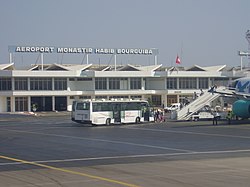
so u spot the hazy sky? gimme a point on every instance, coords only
(202, 32)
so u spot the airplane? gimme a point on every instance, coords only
(240, 89)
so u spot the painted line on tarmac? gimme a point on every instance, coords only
(69, 171)
(101, 140)
(188, 132)
(131, 156)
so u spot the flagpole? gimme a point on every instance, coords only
(181, 56)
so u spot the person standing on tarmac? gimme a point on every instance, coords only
(216, 118)
(229, 116)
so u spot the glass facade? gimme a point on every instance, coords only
(187, 83)
(114, 83)
(101, 97)
(40, 83)
(135, 83)
(21, 104)
(5, 83)
(101, 83)
(85, 97)
(21, 83)
(171, 83)
(221, 81)
(60, 83)
(159, 91)
(203, 83)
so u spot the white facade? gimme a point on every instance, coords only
(54, 87)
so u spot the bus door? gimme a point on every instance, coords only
(117, 112)
(145, 112)
(73, 110)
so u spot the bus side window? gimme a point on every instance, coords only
(82, 106)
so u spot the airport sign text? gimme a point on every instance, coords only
(79, 50)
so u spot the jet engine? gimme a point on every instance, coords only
(241, 108)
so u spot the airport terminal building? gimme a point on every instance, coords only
(53, 87)
(56, 86)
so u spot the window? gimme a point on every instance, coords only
(82, 106)
(5, 83)
(114, 83)
(102, 107)
(101, 83)
(203, 83)
(156, 100)
(101, 97)
(221, 81)
(123, 83)
(118, 97)
(60, 83)
(135, 83)
(84, 79)
(40, 83)
(21, 83)
(85, 97)
(187, 83)
(135, 96)
(171, 83)
(21, 104)
(8, 104)
(133, 106)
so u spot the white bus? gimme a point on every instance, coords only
(101, 112)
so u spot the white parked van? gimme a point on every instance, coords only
(202, 116)
(173, 106)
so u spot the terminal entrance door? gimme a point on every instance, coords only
(42, 103)
(61, 103)
(156, 100)
(171, 99)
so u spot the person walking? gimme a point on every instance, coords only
(201, 92)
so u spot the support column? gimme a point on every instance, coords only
(53, 83)
(178, 98)
(115, 62)
(12, 83)
(128, 83)
(29, 104)
(156, 60)
(12, 103)
(107, 83)
(241, 62)
(42, 60)
(28, 83)
(143, 84)
(53, 103)
(10, 58)
(178, 83)
(164, 99)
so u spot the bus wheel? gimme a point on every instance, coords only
(108, 121)
(137, 120)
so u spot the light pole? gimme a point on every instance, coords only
(241, 54)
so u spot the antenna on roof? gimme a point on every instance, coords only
(83, 58)
(62, 58)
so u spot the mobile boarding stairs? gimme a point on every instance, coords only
(187, 111)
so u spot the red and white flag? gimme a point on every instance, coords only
(178, 61)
